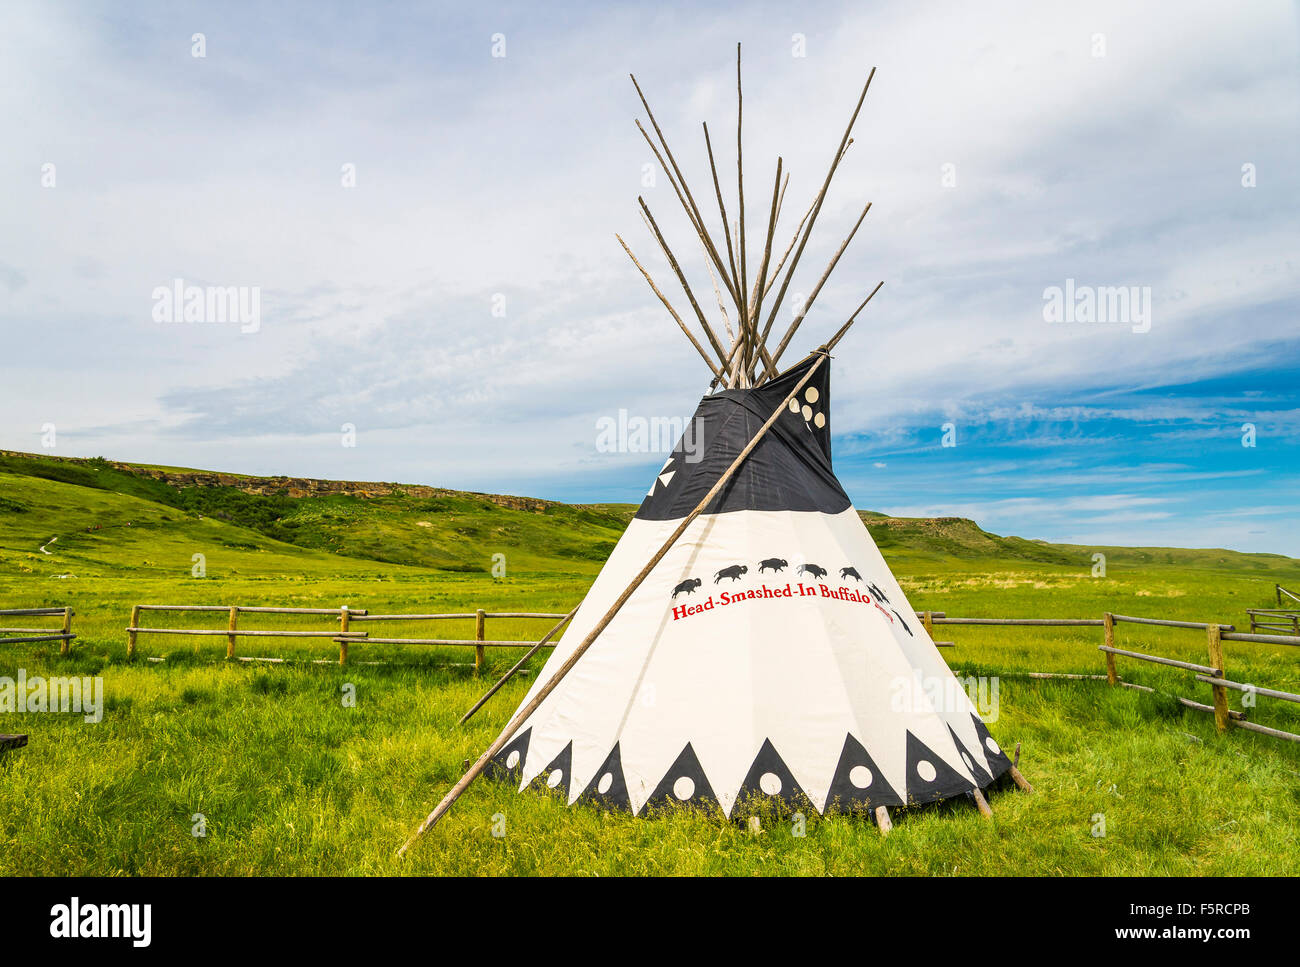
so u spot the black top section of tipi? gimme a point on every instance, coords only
(790, 469)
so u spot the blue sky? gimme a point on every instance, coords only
(1006, 150)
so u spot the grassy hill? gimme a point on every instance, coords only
(291, 780)
(420, 526)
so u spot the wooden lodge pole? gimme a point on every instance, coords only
(1112, 674)
(522, 715)
(516, 666)
(130, 635)
(1214, 634)
(718, 374)
(480, 622)
(981, 803)
(816, 209)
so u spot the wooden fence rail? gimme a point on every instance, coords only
(480, 641)
(63, 636)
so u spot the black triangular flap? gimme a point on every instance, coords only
(683, 783)
(769, 780)
(858, 783)
(608, 788)
(509, 762)
(972, 759)
(929, 778)
(556, 774)
(997, 759)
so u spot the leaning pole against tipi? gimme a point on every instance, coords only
(746, 644)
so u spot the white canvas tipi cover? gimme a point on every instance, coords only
(770, 655)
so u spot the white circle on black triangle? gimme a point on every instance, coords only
(512, 759)
(925, 769)
(812, 394)
(770, 783)
(819, 420)
(860, 776)
(606, 781)
(794, 406)
(992, 746)
(967, 759)
(555, 778)
(684, 788)
(807, 412)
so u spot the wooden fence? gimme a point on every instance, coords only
(343, 636)
(232, 632)
(1280, 619)
(1213, 674)
(63, 635)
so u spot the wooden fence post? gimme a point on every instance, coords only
(130, 635)
(230, 638)
(480, 620)
(927, 619)
(343, 642)
(1220, 693)
(67, 630)
(1112, 673)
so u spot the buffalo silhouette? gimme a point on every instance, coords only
(734, 572)
(772, 563)
(850, 572)
(813, 569)
(689, 586)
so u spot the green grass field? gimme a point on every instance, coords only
(290, 780)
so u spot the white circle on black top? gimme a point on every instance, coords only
(684, 788)
(860, 776)
(770, 783)
(819, 420)
(993, 746)
(925, 769)
(807, 412)
(606, 781)
(555, 778)
(794, 405)
(811, 395)
(512, 759)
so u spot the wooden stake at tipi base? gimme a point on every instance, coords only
(1021, 782)
(883, 820)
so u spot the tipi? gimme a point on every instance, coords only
(746, 642)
